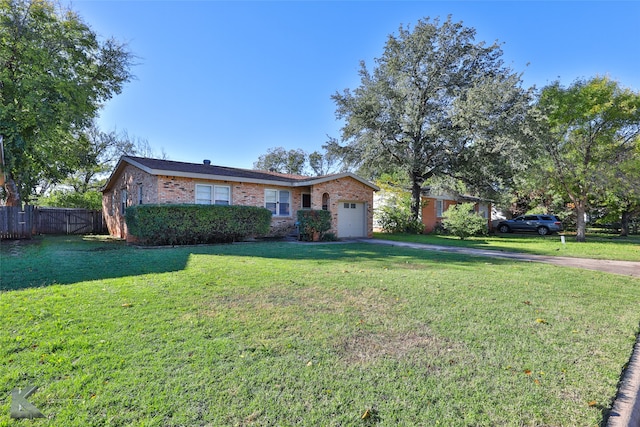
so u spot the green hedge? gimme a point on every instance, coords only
(311, 222)
(193, 224)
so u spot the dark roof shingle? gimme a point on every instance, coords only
(204, 169)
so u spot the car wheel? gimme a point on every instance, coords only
(543, 231)
(503, 229)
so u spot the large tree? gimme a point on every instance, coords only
(97, 155)
(622, 192)
(55, 74)
(280, 160)
(295, 162)
(590, 128)
(436, 103)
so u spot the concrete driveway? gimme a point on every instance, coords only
(626, 268)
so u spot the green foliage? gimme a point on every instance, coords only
(296, 162)
(329, 237)
(397, 219)
(462, 221)
(588, 128)
(280, 160)
(72, 199)
(437, 103)
(193, 224)
(394, 216)
(313, 222)
(56, 73)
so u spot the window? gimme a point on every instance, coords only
(439, 208)
(325, 202)
(278, 202)
(222, 195)
(213, 194)
(123, 201)
(483, 210)
(306, 201)
(203, 194)
(140, 194)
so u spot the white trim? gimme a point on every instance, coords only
(212, 194)
(230, 178)
(278, 201)
(439, 208)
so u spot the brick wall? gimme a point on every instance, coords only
(344, 190)
(131, 179)
(430, 220)
(171, 189)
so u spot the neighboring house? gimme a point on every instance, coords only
(139, 180)
(434, 206)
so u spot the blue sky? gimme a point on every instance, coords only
(226, 81)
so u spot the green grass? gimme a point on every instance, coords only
(597, 246)
(280, 334)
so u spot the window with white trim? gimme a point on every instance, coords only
(222, 195)
(213, 194)
(278, 202)
(203, 194)
(439, 208)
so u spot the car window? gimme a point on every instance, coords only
(546, 218)
(520, 218)
(530, 218)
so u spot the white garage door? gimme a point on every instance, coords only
(351, 220)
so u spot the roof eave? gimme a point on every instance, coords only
(327, 178)
(275, 182)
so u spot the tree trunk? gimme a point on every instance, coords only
(13, 195)
(624, 223)
(581, 224)
(416, 192)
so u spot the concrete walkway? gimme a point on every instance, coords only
(626, 407)
(627, 268)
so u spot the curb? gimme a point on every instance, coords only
(626, 406)
(625, 410)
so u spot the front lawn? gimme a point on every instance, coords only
(598, 246)
(277, 334)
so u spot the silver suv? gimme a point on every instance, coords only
(542, 224)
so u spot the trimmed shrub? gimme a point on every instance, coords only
(194, 224)
(460, 220)
(397, 219)
(313, 223)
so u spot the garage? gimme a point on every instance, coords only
(351, 219)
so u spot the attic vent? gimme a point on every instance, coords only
(206, 162)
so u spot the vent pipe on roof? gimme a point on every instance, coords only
(206, 162)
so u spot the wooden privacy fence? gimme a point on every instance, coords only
(15, 222)
(22, 223)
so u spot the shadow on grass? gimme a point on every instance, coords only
(70, 259)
